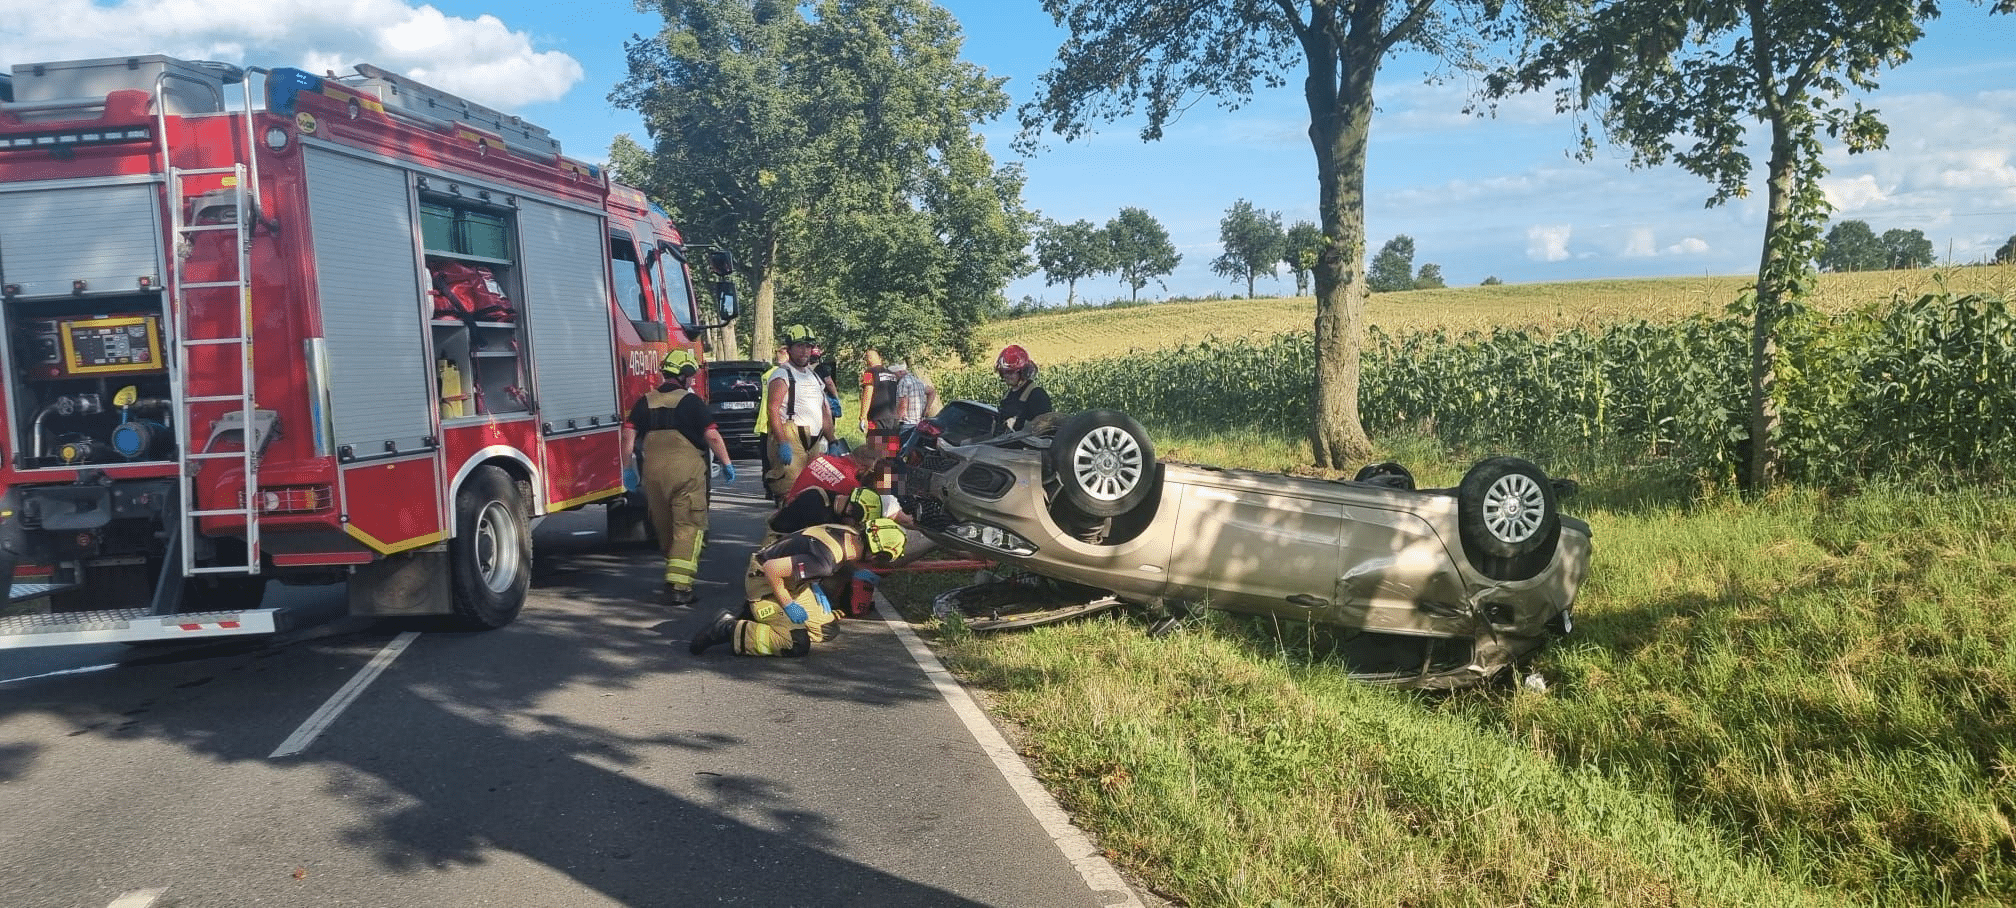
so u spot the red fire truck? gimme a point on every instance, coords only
(269, 325)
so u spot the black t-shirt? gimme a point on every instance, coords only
(689, 417)
(884, 405)
(1022, 405)
(809, 508)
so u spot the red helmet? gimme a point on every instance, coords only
(1014, 360)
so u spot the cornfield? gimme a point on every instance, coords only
(1890, 390)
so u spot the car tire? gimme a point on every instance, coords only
(1103, 462)
(1509, 517)
(491, 554)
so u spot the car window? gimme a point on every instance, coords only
(732, 381)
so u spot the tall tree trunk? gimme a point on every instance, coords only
(1249, 285)
(763, 342)
(1340, 124)
(1773, 269)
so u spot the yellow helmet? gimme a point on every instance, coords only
(680, 362)
(868, 502)
(884, 539)
(798, 334)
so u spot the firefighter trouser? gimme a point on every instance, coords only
(675, 485)
(767, 631)
(804, 445)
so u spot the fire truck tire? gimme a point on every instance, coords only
(491, 554)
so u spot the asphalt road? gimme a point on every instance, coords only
(578, 757)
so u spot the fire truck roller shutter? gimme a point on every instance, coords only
(566, 311)
(108, 236)
(370, 282)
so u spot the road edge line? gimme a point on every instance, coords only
(340, 700)
(1098, 873)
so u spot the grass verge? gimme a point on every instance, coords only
(1799, 700)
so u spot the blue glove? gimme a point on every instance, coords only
(819, 593)
(868, 577)
(728, 473)
(631, 481)
(795, 612)
(833, 403)
(784, 452)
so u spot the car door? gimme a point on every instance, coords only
(1247, 547)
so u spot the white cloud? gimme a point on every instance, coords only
(1548, 242)
(1854, 193)
(1689, 246)
(481, 59)
(1639, 242)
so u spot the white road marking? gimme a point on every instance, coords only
(68, 671)
(587, 532)
(1097, 872)
(138, 898)
(305, 735)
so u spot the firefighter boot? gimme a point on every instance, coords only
(719, 630)
(680, 596)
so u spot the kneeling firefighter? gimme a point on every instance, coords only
(787, 610)
(673, 433)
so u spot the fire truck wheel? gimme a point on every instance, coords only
(492, 550)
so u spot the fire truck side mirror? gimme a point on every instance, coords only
(724, 295)
(721, 262)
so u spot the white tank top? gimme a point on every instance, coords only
(807, 397)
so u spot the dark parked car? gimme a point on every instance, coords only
(1437, 587)
(734, 391)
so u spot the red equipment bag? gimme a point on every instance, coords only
(462, 291)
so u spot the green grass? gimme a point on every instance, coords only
(1800, 700)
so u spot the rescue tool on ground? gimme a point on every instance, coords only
(273, 325)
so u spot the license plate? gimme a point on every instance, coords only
(738, 405)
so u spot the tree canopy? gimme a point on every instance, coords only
(1906, 249)
(1299, 249)
(1141, 249)
(832, 145)
(1069, 253)
(1393, 268)
(1253, 241)
(1852, 246)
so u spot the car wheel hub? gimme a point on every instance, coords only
(1108, 463)
(1514, 508)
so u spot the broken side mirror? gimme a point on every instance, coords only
(721, 262)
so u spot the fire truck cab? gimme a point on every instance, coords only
(271, 325)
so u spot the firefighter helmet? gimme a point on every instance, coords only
(883, 538)
(798, 334)
(867, 502)
(680, 363)
(1014, 361)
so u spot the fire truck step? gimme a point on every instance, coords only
(206, 228)
(209, 285)
(130, 626)
(216, 455)
(219, 512)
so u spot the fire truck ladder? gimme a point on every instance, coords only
(234, 334)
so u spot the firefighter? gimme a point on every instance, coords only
(787, 610)
(799, 421)
(673, 433)
(1026, 400)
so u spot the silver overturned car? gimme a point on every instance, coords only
(1438, 587)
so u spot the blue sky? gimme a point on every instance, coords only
(1497, 197)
